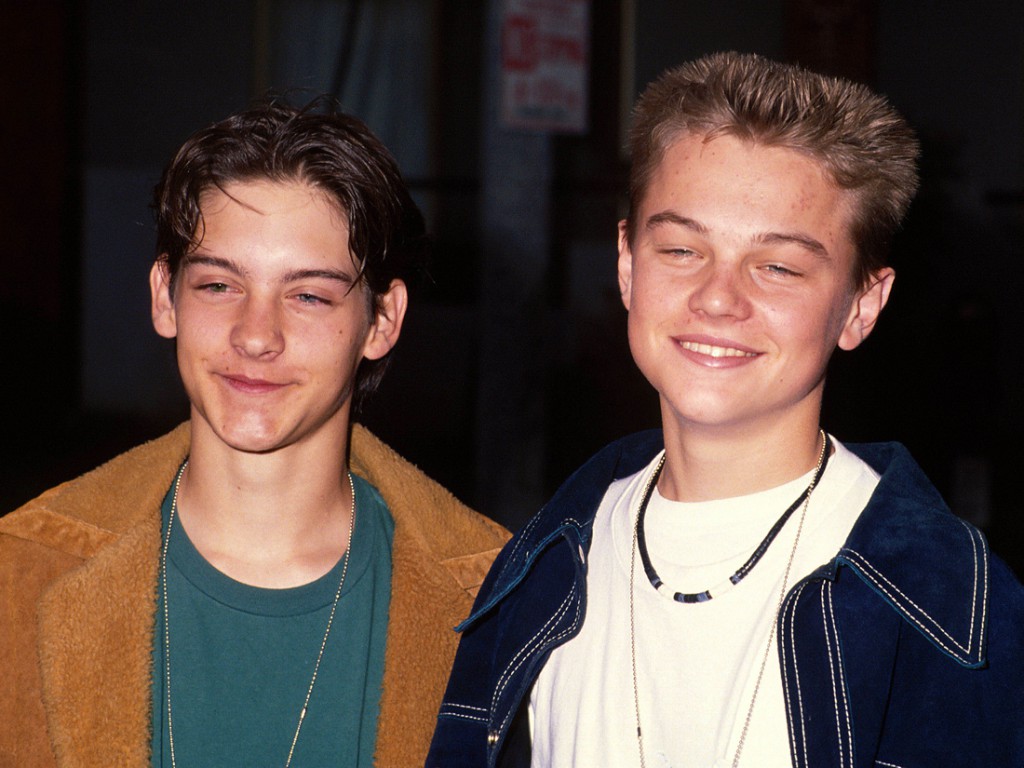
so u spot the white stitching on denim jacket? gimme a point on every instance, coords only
(788, 621)
(527, 530)
(785, 691)
(524, 535)
(448, 707)
(924, 628)
(842, 670)
(974, 588)
(785, 682)
(466, 707)
(555, 638)
(496, 595)
(538, 638)
(832, 674)
(984, 598)
(461, 716)
(516, 660)
(865, 565)
(887, 765)
(832, 648)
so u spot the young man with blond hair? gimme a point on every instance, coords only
(739, 588)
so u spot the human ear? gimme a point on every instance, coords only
(625, 265)
(866, 308)
(162, 303)
(386, 325)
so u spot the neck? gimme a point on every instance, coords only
(708, 464)
(276, 519)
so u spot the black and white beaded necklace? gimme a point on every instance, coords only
(743, 570)
(802, 503)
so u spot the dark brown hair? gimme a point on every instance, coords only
(315, 145)
(859, 139)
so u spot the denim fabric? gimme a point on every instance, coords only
(903, 651)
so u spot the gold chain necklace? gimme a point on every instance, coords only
(167, 624)
(648, 489)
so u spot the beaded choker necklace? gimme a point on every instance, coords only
(743, 570)
(802, 503)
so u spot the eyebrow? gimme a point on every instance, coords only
(289, 277)
(766, 238)
(671, 217)
(797, 238)
(212, 261)
(318, 274)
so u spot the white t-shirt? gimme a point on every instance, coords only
(696, 663)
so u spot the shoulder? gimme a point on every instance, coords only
(933, 568)
(569, 514)
(430, 522)
(576, 501)
(81, 515)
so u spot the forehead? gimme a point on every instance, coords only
(290, 221)
(741, 185)
(267, 196)
(691, 159)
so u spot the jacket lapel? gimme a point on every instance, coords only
(96, 622)
(926, 563)
(909, 565)
(440, 554)
(96, 626)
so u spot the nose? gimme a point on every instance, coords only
(720, 292)
(257, 331)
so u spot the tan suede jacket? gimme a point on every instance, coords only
(78, 591)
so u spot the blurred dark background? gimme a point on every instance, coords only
(513, 366)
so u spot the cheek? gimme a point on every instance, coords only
(656, 298)
(825, 333)
(842, 309)
(204, 343)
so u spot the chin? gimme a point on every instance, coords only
(705, 413)
(253, 438)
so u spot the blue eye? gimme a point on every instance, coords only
(778, 269)
(309, 298)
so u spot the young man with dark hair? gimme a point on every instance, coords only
(739, 588)
(232, 594)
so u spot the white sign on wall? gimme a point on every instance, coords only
(545, 49)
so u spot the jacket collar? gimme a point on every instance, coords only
(925, 562)
(96, 621)
(570, 512)
(928, 564)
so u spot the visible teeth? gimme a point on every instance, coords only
(712, 351)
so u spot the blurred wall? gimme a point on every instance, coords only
(103, 92)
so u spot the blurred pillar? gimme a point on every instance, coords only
(515, 205)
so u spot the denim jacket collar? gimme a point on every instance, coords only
(905, 525)
(570, 512)
(926, 563)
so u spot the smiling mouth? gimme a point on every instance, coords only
(245, 384)
(713, 351)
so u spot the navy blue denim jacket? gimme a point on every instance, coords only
(906, 650)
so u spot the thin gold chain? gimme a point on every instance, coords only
(167, 624)
(771, 633)
(632, 621)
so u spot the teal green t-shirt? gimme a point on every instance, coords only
(242, 657)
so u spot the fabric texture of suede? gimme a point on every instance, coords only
(78, 580)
